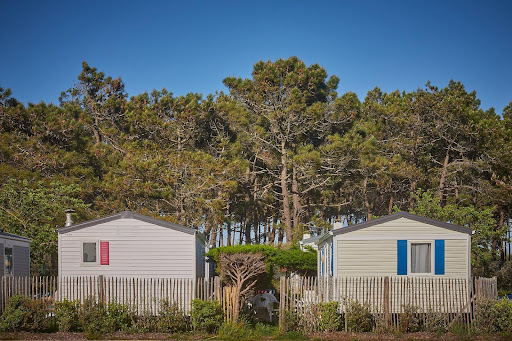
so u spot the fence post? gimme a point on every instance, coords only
(281, 302)
(386, 301)
(101, 289)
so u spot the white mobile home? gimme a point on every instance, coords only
(398, 245)
(128, 244)
(14, 255)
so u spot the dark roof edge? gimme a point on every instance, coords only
(12, 236)
(127, 215)
(399, 215)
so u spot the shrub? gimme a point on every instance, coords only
(67, 313)
(434, 322)
(309, 318)
(171, 319)
(503, 316)
(119, 317)
(144, 323)
(411, 320)
(231, 330)
(291, 321)
(206, 315)
(331, 320)
(93, 318)
(359, 317)
(484, 315)
(24, 314)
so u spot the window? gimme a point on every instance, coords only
(421, 258)
(89, 253)
(8, 268)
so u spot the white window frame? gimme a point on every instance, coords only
(432, 257)
(82, 263)
(9, 246)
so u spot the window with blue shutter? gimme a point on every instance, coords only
(401, 260)
(439, 257)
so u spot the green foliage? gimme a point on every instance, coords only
(359, 317)
(33, 210)
(480, 220)
(171, 319)
(292, 322)
(206, 316)
(119, 317)
(67, 313)
(503, 316)
(25, 314)
(93, 318)
(232, 330)
(291, 259)
(411, 320)
(331, 320)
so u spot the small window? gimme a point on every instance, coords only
(8, 261)
(421, 258)
(89, 252)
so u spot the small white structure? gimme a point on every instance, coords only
(401, 244)
(128, 244)
(307, 240)
(14, 255)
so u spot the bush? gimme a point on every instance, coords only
(171, 319)
(410, 319)
(291, 321)
(359, 317)
(144, 323)
(434, 322)
(503, 316)
(67, 313)
(330, 320)
(206, 315)
(119, 317)
(484, 315)
(94, 319)
(231, 330)
(24, 314)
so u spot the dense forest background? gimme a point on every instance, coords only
(280, 154)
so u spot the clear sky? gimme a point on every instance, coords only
(191, 46)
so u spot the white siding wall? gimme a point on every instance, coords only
(372, 251)
(137, 249)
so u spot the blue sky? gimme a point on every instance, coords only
(191, 46)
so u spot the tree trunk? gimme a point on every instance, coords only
(442, 180)
(213, 237)
(411, 195)
(390, 206)
(285, 194)
(366, 203)
(297, 207)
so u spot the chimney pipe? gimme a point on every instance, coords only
(69, 220)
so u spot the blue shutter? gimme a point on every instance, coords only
(401, 259)
(332, 258)
(322, 262)
(439, 257)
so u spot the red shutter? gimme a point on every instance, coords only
(104, 250)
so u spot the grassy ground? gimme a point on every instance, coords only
(271, 335)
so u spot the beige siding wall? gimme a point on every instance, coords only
(401, 226)
(137, 249)
(379, 257)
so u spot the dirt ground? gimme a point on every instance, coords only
(317, 336)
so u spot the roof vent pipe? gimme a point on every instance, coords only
(69, 220)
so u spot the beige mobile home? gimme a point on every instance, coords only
(398, 245)
(129, 245)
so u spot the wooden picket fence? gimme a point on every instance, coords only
(143, 294)
(388, 297)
